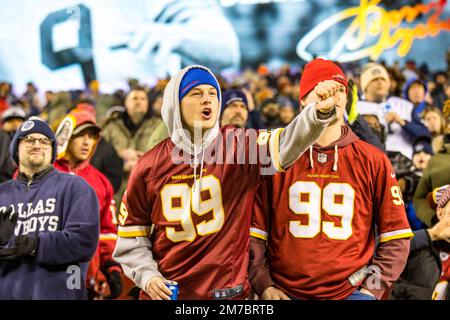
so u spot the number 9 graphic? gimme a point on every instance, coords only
(188, 203)
(319, 200)
(81, 54)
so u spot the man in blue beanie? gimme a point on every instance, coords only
(234, 109)
(238, 109)
(49, 222)
(184, 216)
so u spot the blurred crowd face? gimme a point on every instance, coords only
(284, 85)
(236, 114)
(35, 152)
(4, 89)
(393, 85)
(31, 88)
(447, 89)
(420, 160)
(376, 126)
(136, 104)
(82, 145)
(440, 79)
(295, 93)
(12, 124)
(287, 114)
(271, 111)
(416, 93)
(263, 83)
(431, 85)
(377, 90)
(200, 105)
(49, 96)
(157, 106)
(433, 122)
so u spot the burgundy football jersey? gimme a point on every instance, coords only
(320, 223)
(199, 230)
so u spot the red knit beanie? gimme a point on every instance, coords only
(320, 70)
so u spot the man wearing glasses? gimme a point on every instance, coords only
(49, 222)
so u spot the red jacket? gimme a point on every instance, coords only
(108, 230)
(102, 260)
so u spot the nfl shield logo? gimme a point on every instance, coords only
(322, 158)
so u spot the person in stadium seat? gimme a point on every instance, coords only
(313, 226)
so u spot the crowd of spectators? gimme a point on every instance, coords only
(406, 108)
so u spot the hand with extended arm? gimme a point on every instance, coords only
(157, 289)
(326, 90)
(309, 125)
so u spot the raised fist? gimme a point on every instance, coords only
(327, 91)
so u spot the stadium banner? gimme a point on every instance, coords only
(66, 44)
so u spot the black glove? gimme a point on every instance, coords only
(134, 293)
(113, 278)
(23, 246)
(115, 284)
(8, 222)
(7, 253)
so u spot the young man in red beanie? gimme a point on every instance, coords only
(313, 229)
(77, 138)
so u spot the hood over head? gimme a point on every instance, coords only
(181, 83)
(72, 124)
(408, 85)
(171, 113)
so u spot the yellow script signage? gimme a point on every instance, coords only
(388, 28)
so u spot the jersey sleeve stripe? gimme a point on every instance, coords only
(108, 236)
(274, 147)
(397, 234)
(257, 233)
(133, 231)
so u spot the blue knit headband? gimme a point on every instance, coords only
(195, 77)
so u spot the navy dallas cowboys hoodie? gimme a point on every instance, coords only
(62, 211)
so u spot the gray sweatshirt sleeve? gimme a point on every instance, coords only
(301, 133)
(136, 258)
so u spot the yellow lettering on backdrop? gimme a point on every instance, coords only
(370, 19)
